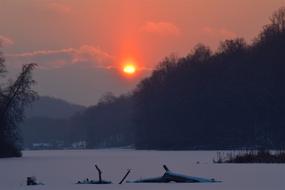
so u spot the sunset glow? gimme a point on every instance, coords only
(116, 44)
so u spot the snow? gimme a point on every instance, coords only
(61, 169)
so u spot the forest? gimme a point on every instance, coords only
(228, 99)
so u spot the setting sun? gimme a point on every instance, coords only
(129, 69)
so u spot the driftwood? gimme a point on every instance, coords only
(99, 173)
(100, 181)
(125, 176)
(170, 176)
(87, 181)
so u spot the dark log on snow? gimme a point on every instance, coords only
(87, 181)
(170, 176)
(33, 181)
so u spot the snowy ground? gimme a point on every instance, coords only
(60, 170)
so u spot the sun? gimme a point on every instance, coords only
(129, 68)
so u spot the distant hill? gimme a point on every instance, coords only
(50, 107)
(47, 122)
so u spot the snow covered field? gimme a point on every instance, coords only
(60, 170)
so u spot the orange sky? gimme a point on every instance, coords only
(82, 43)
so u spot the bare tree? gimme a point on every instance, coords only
(13, 99)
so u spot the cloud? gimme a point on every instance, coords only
(161, 28)
(219, 32)
(5, 41)
(59, 8)
(85, 55)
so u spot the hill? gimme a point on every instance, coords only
(50, 107)
(47, 123)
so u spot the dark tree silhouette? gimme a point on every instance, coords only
(107, 124)
(13, 98)
(232, 98)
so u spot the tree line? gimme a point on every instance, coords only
(231, 98)
(107, 124)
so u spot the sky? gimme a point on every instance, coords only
(81, 45)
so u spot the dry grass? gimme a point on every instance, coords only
(260, 156)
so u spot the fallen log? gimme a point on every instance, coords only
(170, 176)
(87, 181)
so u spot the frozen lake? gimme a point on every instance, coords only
(61, 169)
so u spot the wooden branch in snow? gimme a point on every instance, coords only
(125, 176)
(166, 168)
(99, 173)
(100, 181)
